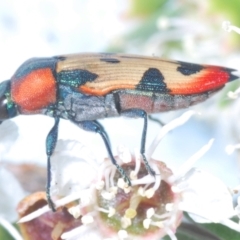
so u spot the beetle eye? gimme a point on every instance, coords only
(4, 88)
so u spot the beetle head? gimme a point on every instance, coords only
(7, 106)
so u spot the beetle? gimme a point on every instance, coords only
(86, 87)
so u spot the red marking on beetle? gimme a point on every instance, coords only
(34, 91)
(136, 101)
(211, 78)
(104, 90)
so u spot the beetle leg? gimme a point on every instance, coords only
(94, 126)
(50, 146)
(139, 113)
(154, 119)
(107, 136)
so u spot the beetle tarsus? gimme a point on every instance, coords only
(147, 166)
(124, 176)
(50, 201)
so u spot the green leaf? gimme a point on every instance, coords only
(229, 8)
(4, 235)
(145, 8)
(193, 231)
(222, 231)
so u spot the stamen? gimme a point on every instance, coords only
(170, 233)
(226, 25)
(182, 184)
(112, 174)
(148, 179)
(122, 234)
(157, 224)
(163, 216)
(84, 194)
(180, 187)
(150, 212)
(75, 211)
(169, 207)
(165, 129)
(231, 148)
(107, 175)
(86, 200)
(138, 157)
(100, 185)
(141, 192)
(190, 162)
(133, 175)
(111, 211)
(146, 223)
(34, 214)
(87, 219)
(233, 95)
(124, 154)
(123, 185)
(107, 195)
(157, 177)
(149, 193)
(113, 190)
(126, 222)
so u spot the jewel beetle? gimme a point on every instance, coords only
(86, 87)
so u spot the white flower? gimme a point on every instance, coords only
(227, 26)
(103, 205)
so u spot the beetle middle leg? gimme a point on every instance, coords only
(94, 126)
(106, 134)
(139, 113)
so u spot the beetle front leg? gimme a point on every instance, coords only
(94, 126)
(139, 113)
(50, 146)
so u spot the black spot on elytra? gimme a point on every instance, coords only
(189, 68)
(153, 80)
(75, 78)
(60, 58)
(110, 60)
